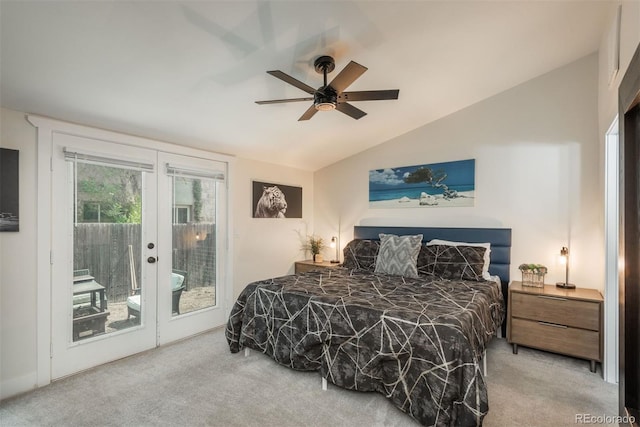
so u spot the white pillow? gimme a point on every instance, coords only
(487, 253)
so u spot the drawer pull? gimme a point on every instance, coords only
(553, 325)
(549, 297)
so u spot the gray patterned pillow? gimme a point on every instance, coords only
(361, 254)
(398, 255)
(455, 262)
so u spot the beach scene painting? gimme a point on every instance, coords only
(435, 185)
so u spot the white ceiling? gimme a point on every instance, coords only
(189, 72)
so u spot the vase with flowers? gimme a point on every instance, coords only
(315, 245)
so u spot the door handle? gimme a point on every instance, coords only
(151, 260)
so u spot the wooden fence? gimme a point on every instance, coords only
(103, 249)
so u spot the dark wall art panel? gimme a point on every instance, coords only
(276, 200)
(9, 213)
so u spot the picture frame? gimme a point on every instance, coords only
(9, 190)
(446, 184)
(270, 200)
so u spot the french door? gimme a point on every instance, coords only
(139, 249)
(192, 235)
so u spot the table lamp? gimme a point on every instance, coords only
(334, 244)
(564, 258)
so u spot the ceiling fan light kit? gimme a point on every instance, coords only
(325, 101)
(332, 96)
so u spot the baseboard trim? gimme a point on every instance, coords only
(15, 386)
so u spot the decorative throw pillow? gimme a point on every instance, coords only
(456, 262)
(361, 254)
(424, 264)
(398, 255)
(487, 254)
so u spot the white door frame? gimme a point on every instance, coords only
(611, 215)
(45, 128)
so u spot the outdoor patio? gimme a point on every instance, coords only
(191, 300)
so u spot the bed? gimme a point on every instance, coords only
(418, 338)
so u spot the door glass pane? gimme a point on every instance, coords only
(107, 218)
(193, 276)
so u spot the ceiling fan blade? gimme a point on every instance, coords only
(348, 75)
(292, 81)
(309, 113)
(369, 95)
(350, 110)
(279, 101)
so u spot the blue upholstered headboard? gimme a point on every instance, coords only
(499, 238)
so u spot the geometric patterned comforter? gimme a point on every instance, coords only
(416, 341)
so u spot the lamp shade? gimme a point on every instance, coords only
(334, 244)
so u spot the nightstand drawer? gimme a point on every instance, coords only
(560, 339)
(558, 310)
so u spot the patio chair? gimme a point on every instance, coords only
(178, 284)
(83, 300)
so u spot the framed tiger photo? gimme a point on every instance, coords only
(276, 200)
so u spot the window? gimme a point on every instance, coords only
(181, 214)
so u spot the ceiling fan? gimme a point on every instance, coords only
(332, 96)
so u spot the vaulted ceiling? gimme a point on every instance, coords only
(189, 72)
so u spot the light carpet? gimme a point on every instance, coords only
(198, 382)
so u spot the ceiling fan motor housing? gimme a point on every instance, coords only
(324, 64)
(325, 99)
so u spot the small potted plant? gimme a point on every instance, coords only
(533, 274)
(315, 245)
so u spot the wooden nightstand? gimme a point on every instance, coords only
(566, 321)
(307, 265)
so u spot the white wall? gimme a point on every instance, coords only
(267, 247)
(262, 248)
(536, 150)
(18, 266)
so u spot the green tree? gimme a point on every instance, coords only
(433, 178)
(116, 191)
(197, 199)
(134, 214)
(427, 175)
